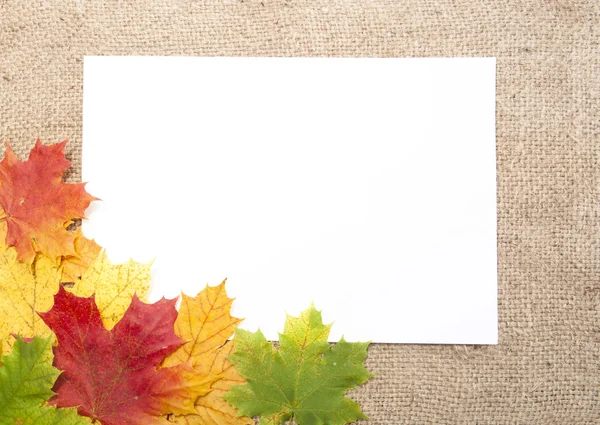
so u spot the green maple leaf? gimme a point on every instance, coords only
(304, 380)
(26, 379)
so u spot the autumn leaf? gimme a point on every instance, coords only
(38, 205)
(26, 289)
(74, 266)
(112, 375)
(304, 380)
(205, 322)
(26, 379)
(113, 286)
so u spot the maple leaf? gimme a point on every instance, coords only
(112, 375)
(37, 204)
(74, 266)
(26, 379)
(29, 288)
(305, 380)
(205, 322)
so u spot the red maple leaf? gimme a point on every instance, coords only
(113, 376)
(38, 205)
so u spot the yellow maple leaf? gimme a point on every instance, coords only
(205, 322)
(113, 286)
(24, 290)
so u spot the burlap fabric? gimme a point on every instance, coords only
(546, 368)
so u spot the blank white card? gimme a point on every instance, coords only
(366, 186)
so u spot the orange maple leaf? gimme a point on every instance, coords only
(74, 266)
(38, 205)
(206, 323)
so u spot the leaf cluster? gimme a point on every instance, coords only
(81, 345)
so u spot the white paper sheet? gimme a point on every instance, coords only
(366, 186)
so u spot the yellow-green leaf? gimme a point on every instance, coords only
(305, 380)
(26, 379)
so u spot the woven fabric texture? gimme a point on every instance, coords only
(546, 368)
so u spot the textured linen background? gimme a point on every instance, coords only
(546, 368)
